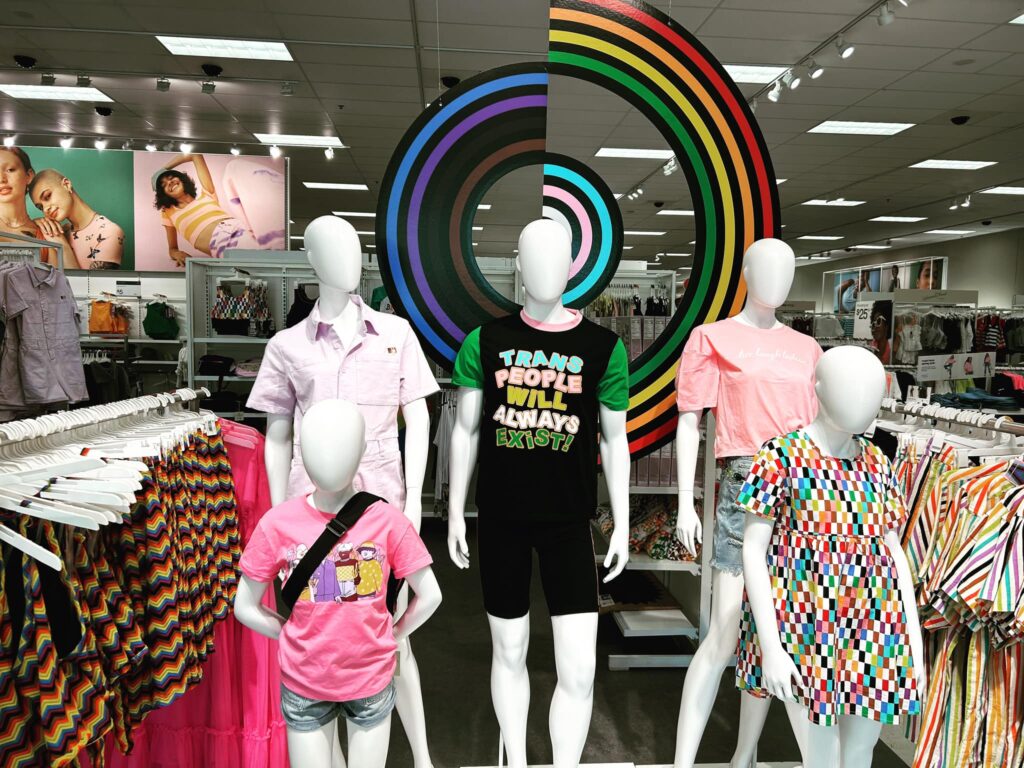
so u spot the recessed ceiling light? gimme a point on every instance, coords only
(1003, 191)
(674, 212)
(950, 232)
(869, 247)
(484, 207)
(860, 127)
(643, 233)
(332, 185)
(904, 219)
(478, 229)
(954, 165)
(670, 253)
(749, 73)
(53, 92)
(821, 237)
(299, 140)
(354, 214)
(839, 202)
(635, 154)
(225, 49)
(1018, 20)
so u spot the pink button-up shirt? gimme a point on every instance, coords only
(382, 370)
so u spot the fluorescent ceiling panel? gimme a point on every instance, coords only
(635, 154)
(643, 233)
(837, 203)
(365, 232)
(484, 207)
(332, 185)
(781, 181)
(903, 219)
(53, 92)
(860, 127)
(950, 232)
(225, 49)
(750, 73)
(870, 247)
(821, 237)
(1018, 20)
(674, 212)
(299, 140)
(954, 165)
(1003, 191)
(354, 214)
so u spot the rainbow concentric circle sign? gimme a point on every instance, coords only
(495, 122)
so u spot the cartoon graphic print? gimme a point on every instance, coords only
(371, 575)
(347, 574)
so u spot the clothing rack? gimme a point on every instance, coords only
(987, 421)
(9, 252)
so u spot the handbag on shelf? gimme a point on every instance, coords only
(242, 308)
(215, 365)
(161, 320)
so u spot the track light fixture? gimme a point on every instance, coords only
(275, 151)
(905, 3)
(100, 144)
(670, 167)
(776, 92)
(885, 16)
(966, 203)
(954, 205)
(329, 153)
(845, 49)
(791, 80)
(151, 147)
(815, 70)
(66, 142)
(47, 78)
(83, 81)
(753, 105)
(209, 86)
(128, 144)
(186, 147)
(235, 150)
(163, 84)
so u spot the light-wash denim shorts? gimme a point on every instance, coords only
(727, 550)
(304, 714)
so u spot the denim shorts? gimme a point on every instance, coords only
(302, 714)
(727, 550)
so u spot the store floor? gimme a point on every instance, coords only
(634, 711)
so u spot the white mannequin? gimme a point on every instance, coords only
(850, 384)
(768, 269)
(544, 261)
(333, 249)
(333, 441)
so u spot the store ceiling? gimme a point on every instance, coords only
(363, 71)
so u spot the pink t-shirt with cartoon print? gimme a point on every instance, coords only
(338, 644)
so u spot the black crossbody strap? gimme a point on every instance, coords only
(347, 516)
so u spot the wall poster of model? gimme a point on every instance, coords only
(843, 288)
(107, 210)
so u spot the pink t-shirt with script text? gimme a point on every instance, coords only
(338, 644)
(758, 382)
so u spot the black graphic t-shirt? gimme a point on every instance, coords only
(543, 386)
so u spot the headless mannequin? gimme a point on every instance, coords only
(768, 269)
(332, 446)
(334, 252)
(850, 384)
(544, 261)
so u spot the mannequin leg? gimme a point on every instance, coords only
(753, 713)
(368, 747)
(857, 739)
(314, 749)
(409, 695)
(510, 683)
(705, 674)
(822, 745)
(575, 660)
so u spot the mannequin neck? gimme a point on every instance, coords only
(831, 440)
(758, 315)
(330, 502)
(338, 309)
(547, 312)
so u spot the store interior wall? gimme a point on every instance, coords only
(992, 264)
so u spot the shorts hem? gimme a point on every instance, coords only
(730, 568)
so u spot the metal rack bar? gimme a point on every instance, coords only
(964, 417)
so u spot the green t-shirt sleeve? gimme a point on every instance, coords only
(613, 391)
(468, 370)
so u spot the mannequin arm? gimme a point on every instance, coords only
(249, 608)
(426, 597)
(277, 455)
(781, 677)
(465, 438)
(688, 526)
(906, 582)
(615, 462)
(417, 445)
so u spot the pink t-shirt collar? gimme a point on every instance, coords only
(316, 327)
(577, 318)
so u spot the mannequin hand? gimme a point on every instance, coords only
(688, 527)
(781, 677)
(618, 553)
(458, 550)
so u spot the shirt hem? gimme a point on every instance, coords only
(419, 565)
(300, 688)
(460, 381)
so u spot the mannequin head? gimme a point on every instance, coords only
(332, 247)
(545, 258)
(850, 385)
(768, 269)
(332, 437)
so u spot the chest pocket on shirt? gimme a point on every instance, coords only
(378, 380)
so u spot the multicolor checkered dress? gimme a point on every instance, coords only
(834, 583)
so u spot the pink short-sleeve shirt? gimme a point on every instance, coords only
(758, 382)
(382, 370)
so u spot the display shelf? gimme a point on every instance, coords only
(641, 561)
(662, 622)
(144, 340)
(651, 490)
(156, 362)
(229, 340)
(239, 415)
(224, 378)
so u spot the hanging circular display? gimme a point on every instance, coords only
(494, 123)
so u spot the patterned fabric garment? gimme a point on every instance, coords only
(833, 580)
